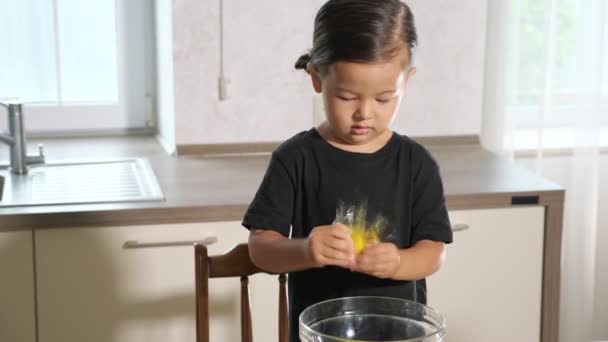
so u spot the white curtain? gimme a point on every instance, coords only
(546, 107)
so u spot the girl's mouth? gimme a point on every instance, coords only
(360, 130)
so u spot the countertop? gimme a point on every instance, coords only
(219, 188)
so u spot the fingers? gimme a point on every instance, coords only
(339, 231)
(327, 256)
(380, 260)
(340, 240)
(376, 252)
(340, 262)
(338, 253)
(335, 254)
(342, 245)
(331, 245)
(368, 265)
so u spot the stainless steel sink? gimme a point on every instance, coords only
(128, 180)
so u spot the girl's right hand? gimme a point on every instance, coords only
(331, 246)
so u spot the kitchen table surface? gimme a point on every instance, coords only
(200, 188)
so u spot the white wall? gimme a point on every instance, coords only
(270, 100)
(445, 97)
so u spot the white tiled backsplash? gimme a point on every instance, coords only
(269, 100)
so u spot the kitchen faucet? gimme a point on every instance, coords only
(16, 139)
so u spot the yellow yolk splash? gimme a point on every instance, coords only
(363, 237)
(362, 232)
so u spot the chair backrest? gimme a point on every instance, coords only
(234, 263)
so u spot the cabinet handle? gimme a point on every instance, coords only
(460, 227)
(131, 244)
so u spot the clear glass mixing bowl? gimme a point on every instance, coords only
(367, 319)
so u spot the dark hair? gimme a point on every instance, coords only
(360, 31)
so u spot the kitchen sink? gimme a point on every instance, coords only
(81, 182)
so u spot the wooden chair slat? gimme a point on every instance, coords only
(283, 313)
(202, 293)
(234, 263)
(246, 330)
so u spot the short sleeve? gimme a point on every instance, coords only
(272, 206)
(430, 219)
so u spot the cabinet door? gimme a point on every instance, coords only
(17, 318)
(93, 289)
(489, 287)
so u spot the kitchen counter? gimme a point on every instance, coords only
(220, 187)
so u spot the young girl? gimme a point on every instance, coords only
(361, 61)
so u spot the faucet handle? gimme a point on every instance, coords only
(39, 159)
(41, 150)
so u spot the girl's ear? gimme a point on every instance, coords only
(314, 76)
(408, 77)
(410, 73)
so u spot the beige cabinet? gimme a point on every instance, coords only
(91, 288)
(490, 286)
(17, 317)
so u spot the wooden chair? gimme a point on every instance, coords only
(234, 263)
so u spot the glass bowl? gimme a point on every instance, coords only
(367, 319)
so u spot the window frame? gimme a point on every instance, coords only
(134, 110)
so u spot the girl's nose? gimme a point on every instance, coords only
(364, 112)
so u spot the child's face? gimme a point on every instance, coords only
(361, 99)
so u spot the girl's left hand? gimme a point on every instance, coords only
(379, 260)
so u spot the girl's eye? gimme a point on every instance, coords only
(346, 98)
(383, 100)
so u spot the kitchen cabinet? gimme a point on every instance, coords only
(91, 288)
(490, 285)
(17, 303)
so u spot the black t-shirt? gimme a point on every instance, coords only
(306, 180)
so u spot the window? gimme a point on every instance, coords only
(79, 65)
(532, 37)
(555, 46)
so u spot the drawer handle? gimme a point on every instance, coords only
(131, 244)
(460, 227)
